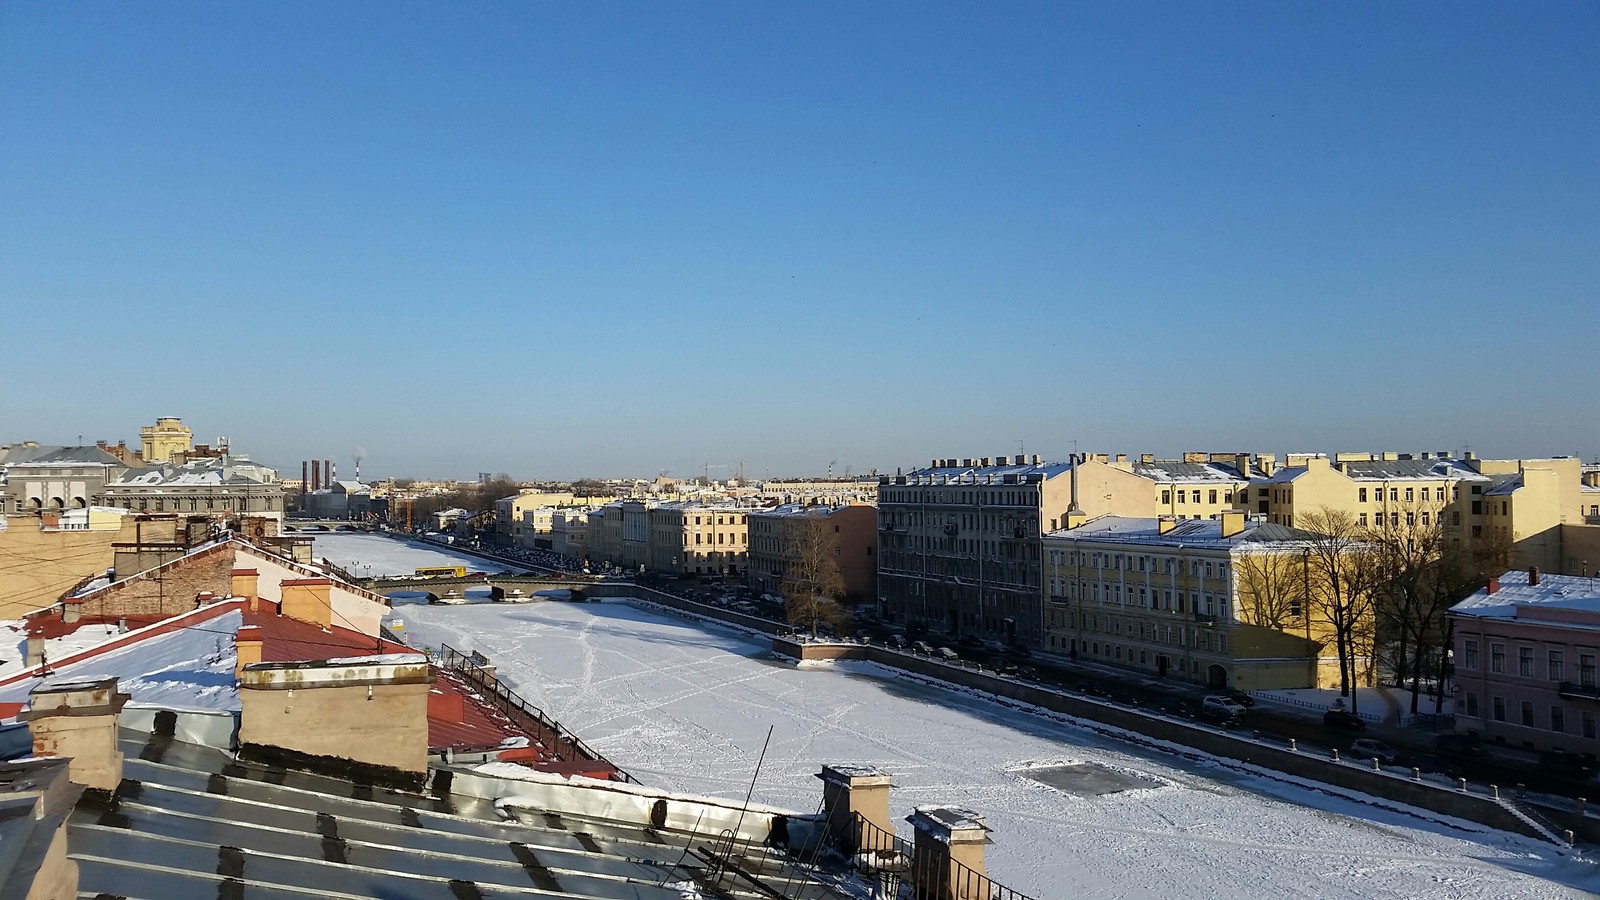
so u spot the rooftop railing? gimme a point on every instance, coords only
(563, 745)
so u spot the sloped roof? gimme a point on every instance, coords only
(1410, 469)
(87, 455)
(1515, 595)
(192, 822)
(1185, 532)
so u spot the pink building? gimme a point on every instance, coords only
(1525, 656)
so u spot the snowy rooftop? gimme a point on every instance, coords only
(1184, 532)
(1517, 598)
(1165, 471)
(1410, 469)
(199, 473)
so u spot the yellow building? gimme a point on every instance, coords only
(1211, 601)
(688, 538)
(1195, 486)
(1542, 511)
(160, 441)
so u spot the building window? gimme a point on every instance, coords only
(1361, 495)
(1558, 666)
(1362, 520)
(1527, 714)
(1558, 720)
(1499, 709)
(1588, 725)
(1472, 705)
(1497, 658)
(1525, 662)
(1166, 496)
(1586, 669)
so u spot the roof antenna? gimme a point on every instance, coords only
(733, 836)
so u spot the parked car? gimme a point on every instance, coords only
(971, 641)
(898, 641)
(1571, 765)
(1343, 719)
(1372, 748)
(1220, 703)
(922, 647)
(946, 654)
(1459, 744)
(1240, 697)
(1218, 706)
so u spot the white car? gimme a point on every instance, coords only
(1222, 707)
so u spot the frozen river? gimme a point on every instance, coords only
(686, 707)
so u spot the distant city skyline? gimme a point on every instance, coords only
(614, 239)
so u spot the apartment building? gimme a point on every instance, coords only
(689, 538)
(959, 544)
(1186, 599)
(1194, 486)
(1525, 655)
(781, 537)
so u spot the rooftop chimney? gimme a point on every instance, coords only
(1165, 524)
(77, 718)
(945, 837)
(1494, 584)
(1533, 576)
(849, 790)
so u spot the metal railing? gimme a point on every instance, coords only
(562, 745)
(899, 871)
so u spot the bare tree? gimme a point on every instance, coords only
(1341, 573)
(1271, 588)
(811, 580)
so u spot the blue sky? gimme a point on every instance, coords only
(559, 240)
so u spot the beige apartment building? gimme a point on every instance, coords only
(1194, 486)
(958, 544)
(1178, 598)
(689, 538)
(847, 533)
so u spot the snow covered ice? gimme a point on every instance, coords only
(686, 706)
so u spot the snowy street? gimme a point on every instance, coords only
(687, 706)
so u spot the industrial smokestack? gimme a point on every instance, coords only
(327, 473)
(305, 483)
(316, 474)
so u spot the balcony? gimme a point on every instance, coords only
(1204, 619)
(1580, 691)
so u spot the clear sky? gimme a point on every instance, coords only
(606, 239)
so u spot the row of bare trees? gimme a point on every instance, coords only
(1379, 593)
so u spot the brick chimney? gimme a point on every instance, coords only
(1494, 584)
(1165, 524)
(244, 584)
(307, 599)
(363, 717)
(848, 790)
(948, 851)
(77, 718)
(247, 649)
(1232, 522)
(1533, 576)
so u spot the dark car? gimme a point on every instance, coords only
(1571, 765)
(971, 642)
(1239, 697)
(1459, 744)
(1342, 719)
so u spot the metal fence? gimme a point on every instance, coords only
(563, 745)
(900, 872)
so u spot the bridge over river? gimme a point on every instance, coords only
(500, 586)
